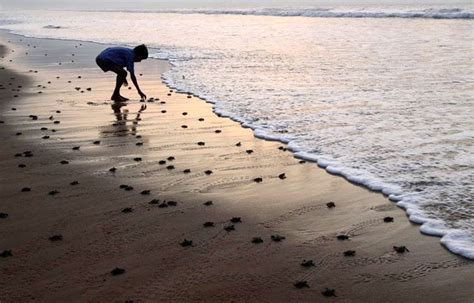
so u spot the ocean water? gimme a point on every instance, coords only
(383, 96)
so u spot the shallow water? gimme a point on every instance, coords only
(386, 102)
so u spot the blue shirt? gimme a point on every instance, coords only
(121, 56)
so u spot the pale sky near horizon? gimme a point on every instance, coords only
(170, 4)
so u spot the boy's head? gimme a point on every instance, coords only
(141, 52)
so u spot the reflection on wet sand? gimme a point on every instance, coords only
(120, 127)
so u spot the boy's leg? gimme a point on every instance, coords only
(121, 78)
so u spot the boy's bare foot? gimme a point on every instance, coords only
(118, 98)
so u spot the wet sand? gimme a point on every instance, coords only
(122, 187)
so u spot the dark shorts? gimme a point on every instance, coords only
(106, 65)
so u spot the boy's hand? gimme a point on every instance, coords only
(142, 95)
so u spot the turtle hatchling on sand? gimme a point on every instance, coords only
(208, 224)
(6, 253)
(331, 204)
(56, 238)
(229, 227)
(329, 292)
(400, 249)
(349, 253)
(186, 243)
(342, 237)
(236, 220)
(307, 263)
(117, 271)
(388, 219)
(277, 238)
(301, 284)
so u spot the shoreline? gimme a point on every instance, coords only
(427, 226)
(233, 188)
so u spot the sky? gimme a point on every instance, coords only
(177, 4)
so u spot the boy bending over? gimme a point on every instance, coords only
(115, 59)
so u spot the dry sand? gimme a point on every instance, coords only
(220, 266)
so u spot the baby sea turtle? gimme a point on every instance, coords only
(201, 119)
(97, 142)
(238, 144)
(3, 215)
(117, 271)
(342, 237)
(56, 238)
(301, 284)
(200, 143)
(128, 188)
(123, 186)
(208, 172)
(218, 131)
(163, 111)
(184, 126)
(329, 292)
(257, 240)
(187, 171)
(388, 219)
(229, 227)
(258, 180)
(53, 192)
(172, 203)
(18, 155)
(277, 238)
(139, 144)
(331, 204)
(189, 96)
(21, 165)
(249, 151)
(145, 192)
(400, 249)
(208, 224)
(127, 210)
(184, 113)
(302, 162)
(74, 183)
(76, 148)
(89, 89)
(112, 169)
(45, 137)
(154, 201)
(170, 167)
(282, 176)
(236, 220)
(57, 122)
(163, 205)
(162, 162)
(51, 117)
(171, 158)
(208, 203)
(186, 243)
(64, 162)
(349, 253)
(137, 159)
(19, 134)
(6, 253)
(307, 263)
(25, 189)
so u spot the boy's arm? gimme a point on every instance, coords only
(134, 80)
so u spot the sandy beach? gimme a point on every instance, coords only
(89, 186)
